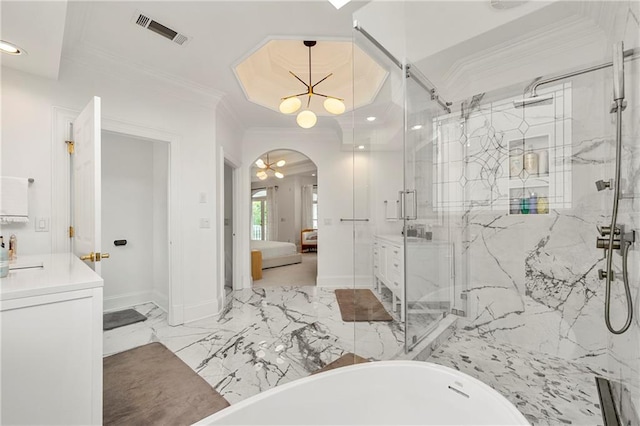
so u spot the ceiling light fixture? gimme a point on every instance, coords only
(307, 118)
(265, 166)
(372, 118)
(417, 127)
(360, 146)
(10, 48)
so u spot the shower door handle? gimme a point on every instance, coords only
(415, 205)
(401, 202)
(403, 199)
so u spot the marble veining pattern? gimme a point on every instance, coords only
(547, 390)
(264, 337)
(267, 337)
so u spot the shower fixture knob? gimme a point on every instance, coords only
(603, 243)
(603, 274)
(606, 230)
(602, 184)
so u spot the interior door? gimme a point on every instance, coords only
(86, 186)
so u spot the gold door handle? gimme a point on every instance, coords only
(95, 257)
(91, 257)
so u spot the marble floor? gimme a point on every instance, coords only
(263, 338)
(547, 390)
(269, 336)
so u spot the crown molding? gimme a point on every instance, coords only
(226, 108)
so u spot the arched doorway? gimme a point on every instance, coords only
(284, 219)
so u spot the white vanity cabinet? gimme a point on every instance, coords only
(388, 267)
(51, 342)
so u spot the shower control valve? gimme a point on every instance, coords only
(606, 230)
(603, 274)
(603, 243)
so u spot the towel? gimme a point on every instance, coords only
(14, 199)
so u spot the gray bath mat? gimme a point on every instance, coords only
(117, 319)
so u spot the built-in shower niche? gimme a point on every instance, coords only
(529, 179)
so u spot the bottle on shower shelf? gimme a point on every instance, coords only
(543, 163)
(533, 203)
(531, 163)
(543, 205)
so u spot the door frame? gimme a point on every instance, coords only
(225, 158)
(60, 191)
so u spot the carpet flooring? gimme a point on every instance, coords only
(299, 274)
(149, 385)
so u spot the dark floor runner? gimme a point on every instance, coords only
(344, 361)
(361, 305)
(117, 319)
(149, 385)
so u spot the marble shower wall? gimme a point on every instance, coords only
(624, 350)
(531, 279)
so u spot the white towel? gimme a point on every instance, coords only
(14, 199)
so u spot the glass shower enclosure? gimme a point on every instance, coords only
(403, 249)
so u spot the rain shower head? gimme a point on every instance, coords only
(533, 101)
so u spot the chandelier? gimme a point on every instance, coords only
(306, 118)
(266, 166)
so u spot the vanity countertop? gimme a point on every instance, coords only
(413, 241)
(38, 275)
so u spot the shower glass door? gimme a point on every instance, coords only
(428, 253)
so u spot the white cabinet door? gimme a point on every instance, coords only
(51, 359)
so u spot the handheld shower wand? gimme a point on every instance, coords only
(623, 242)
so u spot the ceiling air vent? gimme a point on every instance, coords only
(145, 21)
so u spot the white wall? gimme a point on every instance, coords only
(138, 99)
(134, 208)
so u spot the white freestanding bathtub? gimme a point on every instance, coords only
(376, 393)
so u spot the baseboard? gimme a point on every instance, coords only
(161, 300)
(345, 281)
(201, 310)
(113, 303)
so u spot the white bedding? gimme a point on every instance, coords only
(271, 249)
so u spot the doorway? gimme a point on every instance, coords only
(135, 218)
(284, 219)
(228, 228)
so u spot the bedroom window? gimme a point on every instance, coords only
(314, 209)
(258, 214)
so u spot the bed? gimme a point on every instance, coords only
(309, 240)
(276, 253)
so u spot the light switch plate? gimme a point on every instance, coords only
(203, 197)
(42, 224)
(205, 222)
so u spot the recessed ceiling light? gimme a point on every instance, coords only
(417, 127)
(338, 3)
(360, 146)
(10, 48)
(371, 118)
(313, 174)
